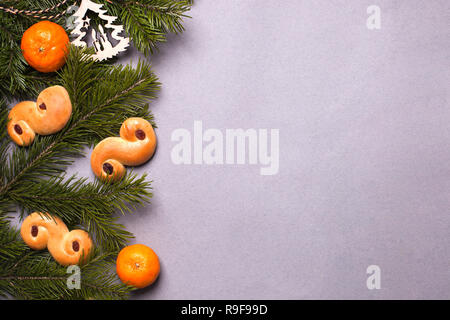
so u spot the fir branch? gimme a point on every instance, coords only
(17, 79)
(148, 22)
(28, 274)
(4, 143)
(102, 97)
(9, 246)
(99, 279)
(3, 120)
(89, 205)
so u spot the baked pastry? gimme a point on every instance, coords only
(48, 115)
(135, 146)
(39, 231)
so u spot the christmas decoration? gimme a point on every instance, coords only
(103, 47)
(44, 46)
(137, 265)
(146, 23)
(33, 179)
(48, 115)
(135, 146)
(40, 231)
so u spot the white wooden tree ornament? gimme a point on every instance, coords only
(103, 47)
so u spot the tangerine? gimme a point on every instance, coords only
(44, 46)
(137, 265)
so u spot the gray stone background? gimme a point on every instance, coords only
(364, 152)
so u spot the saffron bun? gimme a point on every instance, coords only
(135, 146)
(40, 231)
(48, 115)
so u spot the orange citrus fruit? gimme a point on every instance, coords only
(44, 46)
(137, 265)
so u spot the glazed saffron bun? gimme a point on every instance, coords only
(48, 115)
(135, 146)
(40, 231)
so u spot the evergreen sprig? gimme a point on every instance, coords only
(32, 178)
(9, 246)
(103, 96)
(87, 204)
(28, 274)
(146, 22)
(17, 79)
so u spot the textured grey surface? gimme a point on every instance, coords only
(364, 152)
